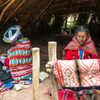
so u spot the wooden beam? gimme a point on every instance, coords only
(42, 11)
(5, 3)
(12, 12)
(5, 8)
(52, 51)
(62, 4)
(36, 70)
(73, 7)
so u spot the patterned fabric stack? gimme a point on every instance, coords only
(79, 75)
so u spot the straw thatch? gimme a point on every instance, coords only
(28, 12)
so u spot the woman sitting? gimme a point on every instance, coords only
(19, 57)
(81, 47)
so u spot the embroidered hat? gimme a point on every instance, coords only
(12, 34)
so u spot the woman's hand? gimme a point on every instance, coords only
(4, 54)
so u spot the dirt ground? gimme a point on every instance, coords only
(26, 94)
(42, 43)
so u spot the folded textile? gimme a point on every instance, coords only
(2, 87)
(65, 94)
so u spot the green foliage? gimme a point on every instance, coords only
(54, 26)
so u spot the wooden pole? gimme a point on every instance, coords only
(42, 12)
(36, 69)
(52, 51)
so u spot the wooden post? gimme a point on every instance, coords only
(52, 51)
(36, 69)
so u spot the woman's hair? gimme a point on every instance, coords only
(21, 36)
(82, 29)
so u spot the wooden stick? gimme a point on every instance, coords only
(5, 8)
(13, 12)
(4, 3)
(36, 70)
(42, 11)
(52, 56)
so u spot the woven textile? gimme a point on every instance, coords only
(2, 87)
(78, 74)
(66, 95)
(2, 59)
(20, 60)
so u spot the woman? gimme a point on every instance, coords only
(19, 57)
(81, 47)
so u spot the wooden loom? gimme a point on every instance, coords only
(36, 68)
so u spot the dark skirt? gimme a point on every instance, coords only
(5, 77)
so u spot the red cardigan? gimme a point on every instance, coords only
(70, 54)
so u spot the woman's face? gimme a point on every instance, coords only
(81, 37)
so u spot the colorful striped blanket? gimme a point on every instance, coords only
(78, 74)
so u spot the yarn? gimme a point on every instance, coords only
(49, 93)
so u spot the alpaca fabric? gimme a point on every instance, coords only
(78, 75)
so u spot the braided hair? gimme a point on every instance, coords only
(82, 29)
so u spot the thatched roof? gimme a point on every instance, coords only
(27, 12)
